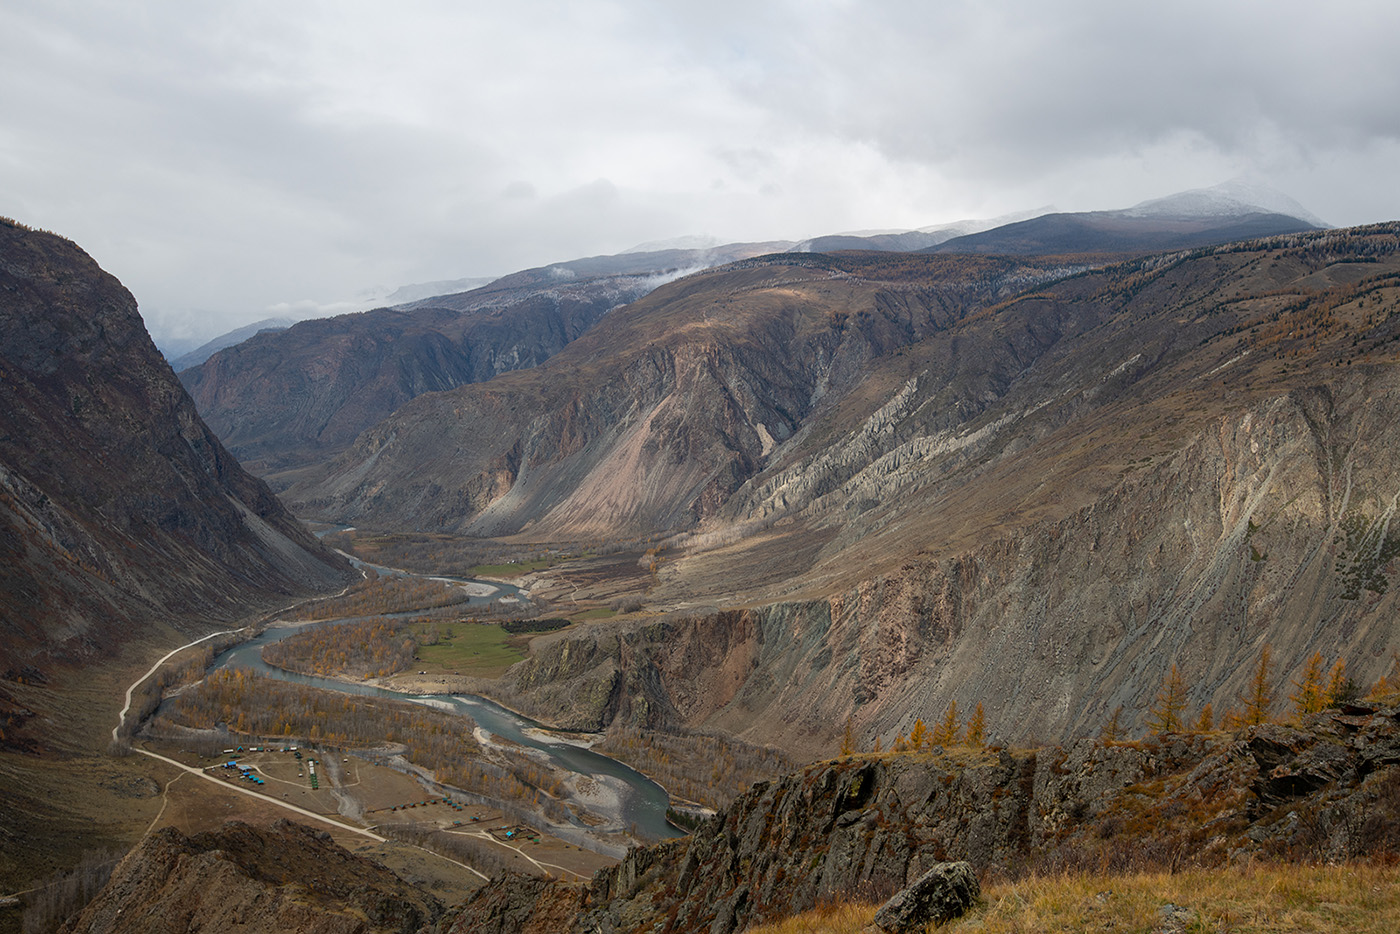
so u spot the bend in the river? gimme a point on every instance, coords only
(644, 804)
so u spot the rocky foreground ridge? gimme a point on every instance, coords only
(864, 827)
(860, 827)
(284, 878)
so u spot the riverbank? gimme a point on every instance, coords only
(643, 805)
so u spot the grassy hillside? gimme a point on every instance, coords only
(1256, 898)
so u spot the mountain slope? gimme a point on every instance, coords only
(117, 504)
(1040, 506)
(285, 400)
(655, 416)
(283, 878)
(237, 336)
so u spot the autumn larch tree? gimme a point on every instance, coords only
(848, 738)
(977, 728)
(1112, 731)
(1309, 696)
(1164, 716)
(1260, 696)
(1340, 688)
(1389, 683)
(946, 734)
(918, 735)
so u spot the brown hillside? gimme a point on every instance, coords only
(1041, 505)
(655, 417)
(117, 504)
(286, 399)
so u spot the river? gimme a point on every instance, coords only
(644, 802)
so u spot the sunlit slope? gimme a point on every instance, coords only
(654, 418)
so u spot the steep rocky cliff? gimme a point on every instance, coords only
(1175, 461)
(656, 416)
(867, 826)
(117, 505)
(283, 400)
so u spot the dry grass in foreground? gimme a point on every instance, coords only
(1249, 900)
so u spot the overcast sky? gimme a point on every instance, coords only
(231, 161)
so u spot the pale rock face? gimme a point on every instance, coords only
(1047, 521)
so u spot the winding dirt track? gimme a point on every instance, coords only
(121, 720)
(255, 794)
(340, 825)
(542, 866)
(121, 717)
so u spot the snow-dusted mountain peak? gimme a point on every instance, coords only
(1238, 196)
(688, 242)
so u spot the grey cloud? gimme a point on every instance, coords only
(1021, 85)
(239, 157)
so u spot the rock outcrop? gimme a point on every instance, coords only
(943, 893)
(866, 827)
(240, 878)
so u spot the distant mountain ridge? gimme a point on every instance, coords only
(1233, 210)
(903, 241)
(236, 336)
(1235, 198)
(1110, 232)
(285, 400)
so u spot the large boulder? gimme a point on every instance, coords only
(941, 894)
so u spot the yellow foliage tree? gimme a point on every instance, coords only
(977, 728)
(946, 734)
(1309, 696)
(918, 735)
(1340, 689)
(1164, 716)
(1112, 731)
(1260, 696)
(1388, 683)
(1206, 721)
(848, 737)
